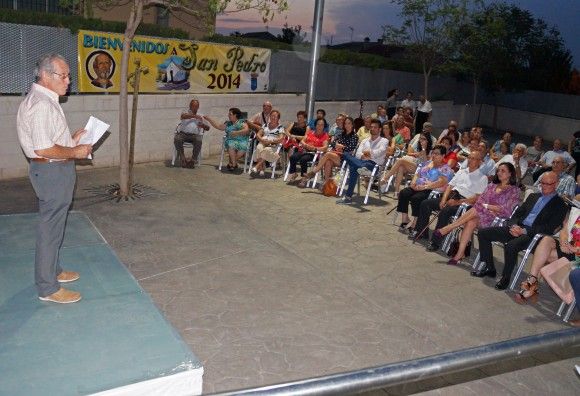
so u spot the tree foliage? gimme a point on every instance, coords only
(292, 34)
(428, 31)
(502, 47)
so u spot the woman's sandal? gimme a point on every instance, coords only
(527, 284)
(532, 294)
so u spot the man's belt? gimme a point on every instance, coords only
(50, 160)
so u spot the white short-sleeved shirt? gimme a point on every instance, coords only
(469, 183)
(424, 107)
(271, 134)
(192, 125)
(41, 123)
(510, 158)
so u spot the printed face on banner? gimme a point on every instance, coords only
(174, 65)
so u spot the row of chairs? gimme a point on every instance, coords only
(478, 264)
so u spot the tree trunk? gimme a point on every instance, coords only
(132, 23)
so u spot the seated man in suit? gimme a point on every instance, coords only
(541, 213)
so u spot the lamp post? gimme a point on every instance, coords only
(315, 54)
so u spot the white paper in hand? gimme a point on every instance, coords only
(95, 129)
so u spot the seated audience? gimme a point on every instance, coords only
(566, 183)
(431, 175)
(517, 159)
(451, 129)
(261, 118)
(499, 199)
(387, 131)
(550, 249)
(465, 187)
(540, 213)
(365, 130)
(546, 161)
(451, 156)
(237, 132)
(402, 130)
(269, 137)
(316, 140)
(337, 128)
(320, 115)
(190, 129)
(495, 150)
(488, 165)
(296, 131)
(427, 131)
(535, 152)
(372, 151)
(346, 143)
(417, 155)
(463, 144)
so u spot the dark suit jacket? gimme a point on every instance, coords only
(548, 220)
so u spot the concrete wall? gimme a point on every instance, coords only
(159, 114)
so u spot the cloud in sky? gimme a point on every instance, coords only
(367, 16)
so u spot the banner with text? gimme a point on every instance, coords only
(173, 65)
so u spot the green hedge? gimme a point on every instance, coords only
(75, 23)
(338, 57)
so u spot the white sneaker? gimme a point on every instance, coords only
(253, 170)
(262, 173)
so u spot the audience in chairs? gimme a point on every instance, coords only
(408, 164)
(540, 213)
(465, 187)
(345, 143)
(316, 140)
(431, 175)
(566, 183)
(269, 137)
(237, 132)
(499, 199)
(372, 151)
(550, 249)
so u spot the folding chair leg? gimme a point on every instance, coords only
(344, 179)
(287, 171)
(525, 259)
(569, 311)
(222, 155)
(371, 180)
(475, 265)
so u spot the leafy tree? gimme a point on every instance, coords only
(266, 8)
(502, 47)
(428, 31)
(292, 34)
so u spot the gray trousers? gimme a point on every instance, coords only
(196, 140)
(53, 183)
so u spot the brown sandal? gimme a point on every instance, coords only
(532, 292)
(527, 284)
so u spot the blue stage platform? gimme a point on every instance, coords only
(113, 342)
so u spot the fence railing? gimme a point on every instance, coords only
(420, 369)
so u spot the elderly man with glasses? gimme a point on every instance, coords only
(566, 183)
(541, 213)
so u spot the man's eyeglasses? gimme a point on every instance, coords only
(547, 184)
(63, 76)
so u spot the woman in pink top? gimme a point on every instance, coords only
(498, 199)
(316, 140)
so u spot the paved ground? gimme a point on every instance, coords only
(269, 283)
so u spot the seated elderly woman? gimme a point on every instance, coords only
(517, 159)
(345, 143)
(316, 140)
(237, 132)
(406, 165)
(498, 199)
(550, 249)
(432, 175)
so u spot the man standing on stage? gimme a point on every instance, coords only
(46, 140)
